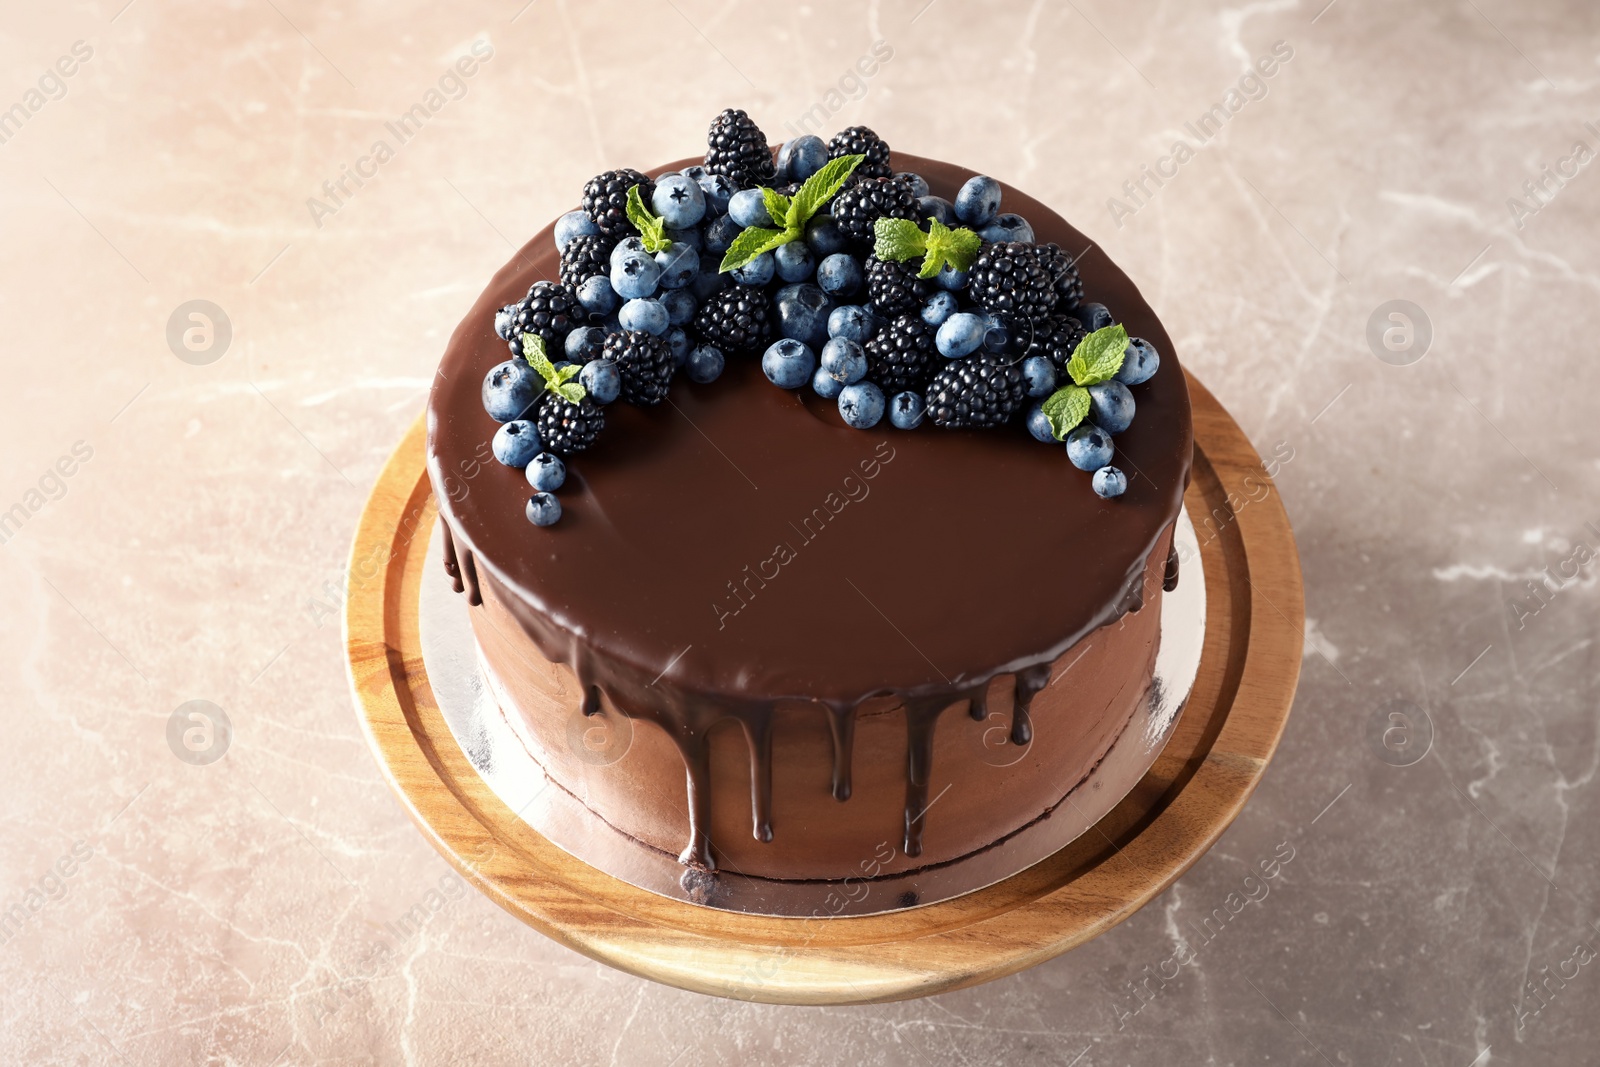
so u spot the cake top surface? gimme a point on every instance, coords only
(741, 542)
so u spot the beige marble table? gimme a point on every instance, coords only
(178, 494)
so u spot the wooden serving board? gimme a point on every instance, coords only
(1217, 754)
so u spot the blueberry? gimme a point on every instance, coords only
(516, 442)
(1008, 228)
(509, 390)
(602, 380)
(861, 405)
(678, 344)
(1093, 316)
(1139, 363)
(844, 360)
(839, 274)
(794, 261)
(1088, 447)
(998, 333)
(940, 306)
(802, 157)
(691, 237)
(635, 276)
(825, 237)
(826, 385)
(1109, 482)
(707, 282)
(679, 201)
(906, 410)
(758, 271)
(960, 335)
(1111, 406)
(720, 234)
(680, 305)
(546, 472)
(679, 264)
(504, 320)
(788, 363)
(597, 296)
(803, 311)
(950, 279)
(749, 208)
(626, 247)
(936, 207)
(1040, 374)
(571, 225)
(1039, 426)
(978, 202)
(853, 322)
(716, 189)
(647, 315)
(543, 509)
(915, 182)
(705, 363)
(585, 343)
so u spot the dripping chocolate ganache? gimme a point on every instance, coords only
(847, 652)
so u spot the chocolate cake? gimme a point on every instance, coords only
(848, 647)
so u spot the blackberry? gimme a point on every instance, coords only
(585, 256)
(1056, 337)
(1069, 287)
(983, 390)
(550, 310)
(605, 199)
(895, 287)
(645, 361)
(860, 141)
(736, 320)
(1011, 278)
(858, 206)
(565, 427)
(737, 149)
(902, 356)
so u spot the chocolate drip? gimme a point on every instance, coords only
(978, 707)
(1029, 681)
(921, 717)
(469, 575)
(591, 700)
(842, 725)
(451, 567)
(1169, 580)
(697, 764)
(758, 735)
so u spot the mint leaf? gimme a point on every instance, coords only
(751, 242)
(957, 248)
(898, 240)
(652, 229)
(964, 246)
(819, 189)
(777, 206)
(1065, 408)
(556, 381)
(1099, 356)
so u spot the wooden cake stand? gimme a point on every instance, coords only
(1217, 754)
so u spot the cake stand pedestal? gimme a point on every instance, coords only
(1217, 754)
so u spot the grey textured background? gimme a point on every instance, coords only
(226, 913)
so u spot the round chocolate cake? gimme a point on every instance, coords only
(847, 647)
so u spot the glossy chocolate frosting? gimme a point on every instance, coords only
(738, 547)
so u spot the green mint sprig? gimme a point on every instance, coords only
(900, 240)
(556, 380)
(652, 228)
(791, 213)
(1097, 359)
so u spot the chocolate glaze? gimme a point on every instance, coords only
(1169, 580)
(738, 547)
